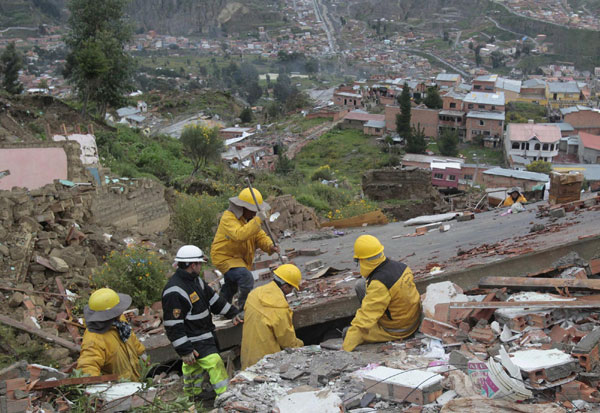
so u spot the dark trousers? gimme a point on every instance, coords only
(235, 278)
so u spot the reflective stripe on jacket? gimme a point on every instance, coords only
(268, 324)
(236, 241)
(391, 308)
(187, 306)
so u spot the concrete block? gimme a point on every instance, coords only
(313, 265)
(414, 386)
(466, 216)
(557, 213)
(587, 351)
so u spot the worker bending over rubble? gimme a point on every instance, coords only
(233, 248)
(390, 303)
(109, 346)
(268, 324)
(187, 306)
(514, 196)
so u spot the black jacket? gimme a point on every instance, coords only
(187, 306)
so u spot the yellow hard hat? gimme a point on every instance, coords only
(367, 246)
(290, 274)
(103, 299)
(106, 304)
(244, 199)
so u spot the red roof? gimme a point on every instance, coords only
(590, 141)
(363, 116)
(523, 132)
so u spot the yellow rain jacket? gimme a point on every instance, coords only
(236, 241)
(268, 324)
(105, 353)
(391, 309)
(509, 201)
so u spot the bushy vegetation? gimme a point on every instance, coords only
(134, 271)
(353, 208)
(521, 112)
(130, 153)
(540, 166)
(195, 218)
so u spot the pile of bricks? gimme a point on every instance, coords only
(525, 316)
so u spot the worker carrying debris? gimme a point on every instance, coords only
(268, 324)
(390, 303)
(109, 345)
(233, 248)
(187, 306)
(514, 196)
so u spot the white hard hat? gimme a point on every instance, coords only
(190, 253)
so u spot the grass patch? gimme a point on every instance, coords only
(477, 154)
(348, 152)
(130, 153)
(521, 112)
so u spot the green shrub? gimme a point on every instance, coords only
(323, 172)
(352, 209)
(195, 219)
(135, 271)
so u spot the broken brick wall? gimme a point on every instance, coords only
(138, 204)
(293, 216)
(409, 184)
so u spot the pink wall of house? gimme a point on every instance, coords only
(32, 168)
(445, 178)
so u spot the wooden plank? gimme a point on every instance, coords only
(370, 218)
(50, 384)
(530, 304)
(537, 284)
(48, 337)
(74, 331)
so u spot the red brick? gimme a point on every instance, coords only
(421, 230)
(483, 335)
(595, 266)
(577, 390)
(443, 331)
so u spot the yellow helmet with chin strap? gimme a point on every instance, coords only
(367, 246)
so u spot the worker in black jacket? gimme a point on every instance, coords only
(187, 306)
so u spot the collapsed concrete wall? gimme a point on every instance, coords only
(409, 184)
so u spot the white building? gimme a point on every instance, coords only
(532, 141)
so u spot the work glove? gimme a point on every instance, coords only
(238, 319)
(262, 215)
(190, 358)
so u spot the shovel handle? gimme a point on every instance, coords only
(266, 220)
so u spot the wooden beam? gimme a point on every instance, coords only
(48, 337)
(529, 304)
(536, 284)
(74, 331)
(50, 384)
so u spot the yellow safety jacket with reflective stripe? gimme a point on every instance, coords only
(268, 324)
(105, 353)
(391, 309)
(509, 201)
(236, 241)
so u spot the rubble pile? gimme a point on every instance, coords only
(51, 240)
(35, 388)
(524, 344)
(294, 217)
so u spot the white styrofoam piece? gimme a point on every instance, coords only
(528, 296)
(407, 378)
(323, 401)
(110, 392)
(531, 360)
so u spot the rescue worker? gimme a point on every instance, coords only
(514, 196)
(233, 248)
(109, 346)
(268, 324)
(187, 303)
(390, 303)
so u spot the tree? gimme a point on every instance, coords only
(246, 115)
(403, 118)
(11, 62)
(284, 164)
(201, 144)
(282, 88)
(540, 166)
(433, 99)
(497, 59)
(415, 142)
(477, 56)
(448, 142)
(97, 65)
